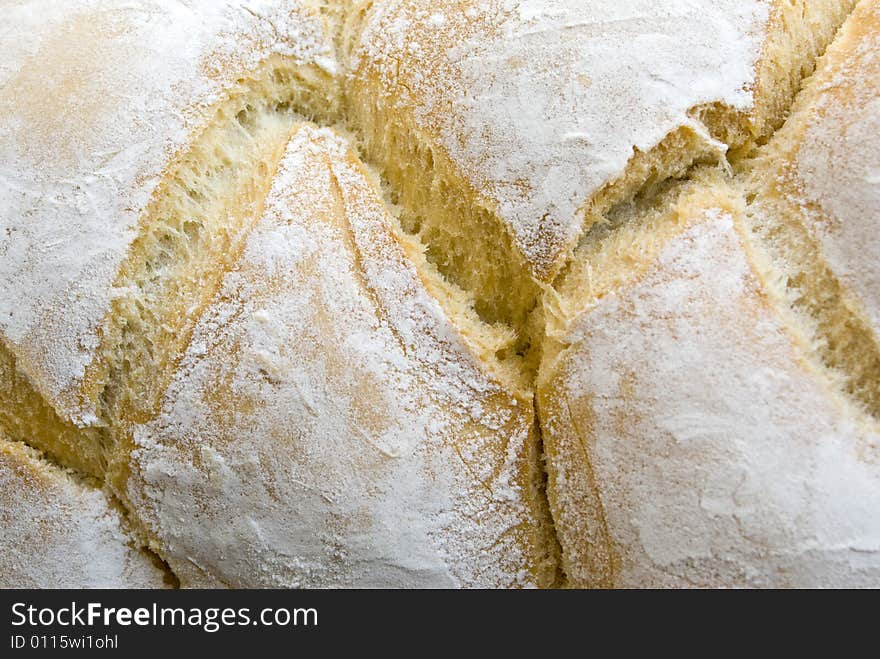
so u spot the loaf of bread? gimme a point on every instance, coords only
(408, 293)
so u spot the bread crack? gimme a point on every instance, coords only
(457, 241)
(823, 310)
(135, 536)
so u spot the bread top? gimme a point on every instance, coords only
(541, 104)
(823, 166)
(56, 532)
(327, 425)
(694, 440)
(98, 102)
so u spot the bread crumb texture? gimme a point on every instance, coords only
(691, 444)
(327, 410)
(58, 532)
(450, 293)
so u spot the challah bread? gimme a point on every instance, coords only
(328, 424)
(135, 187)
(58, 532)
(691, 405)
(508, 128)
(397, 293)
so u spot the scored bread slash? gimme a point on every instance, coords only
(333, 428)
(509, 128)
(708, 393)
(128, 189)
(814, 195)
(59, 532)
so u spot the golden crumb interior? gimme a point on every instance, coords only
(26, 417)
(797, 34)
(840, 333)
(188, 237)
(495, 344)
(618, 251)
(464, 239)
(648, 171)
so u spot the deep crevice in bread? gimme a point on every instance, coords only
(496, 344)
(140, 538)
(799, 32)
(192, 232)
(135, 538)
(464, 240)
(619, 250)
(462, 251)
(27, 417)
(825, 312)
(550, 564)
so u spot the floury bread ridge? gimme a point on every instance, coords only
(407, 293)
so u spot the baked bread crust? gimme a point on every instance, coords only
(310, 289)
(692, 442)
(707, 411)
(58, 532)
(132, 87)
(328, 426)
(815, 200)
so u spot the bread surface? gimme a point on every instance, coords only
(408, 293)
(57, 531)
(328, 409)
(707, 397)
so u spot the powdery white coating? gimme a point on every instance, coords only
(327, 426)
(837, 164)
(720, 456)
(98, 98)
(58, 533)
(541, 103)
